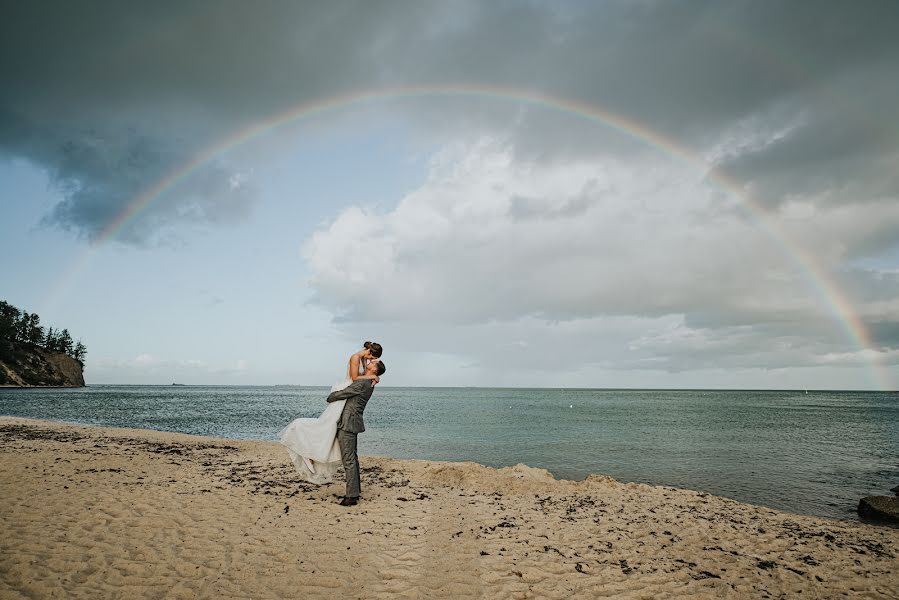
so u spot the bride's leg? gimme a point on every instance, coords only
(309, 464)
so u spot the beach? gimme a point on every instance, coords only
(91, 512)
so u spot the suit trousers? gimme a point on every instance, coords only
(347, 442)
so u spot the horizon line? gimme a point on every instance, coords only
(480, 387)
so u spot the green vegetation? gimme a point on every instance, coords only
(25, 328)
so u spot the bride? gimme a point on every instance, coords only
(312, 443)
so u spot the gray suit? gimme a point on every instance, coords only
(350, 425)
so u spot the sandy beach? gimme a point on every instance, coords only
(91, 512)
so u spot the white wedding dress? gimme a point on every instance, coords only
(316, 439)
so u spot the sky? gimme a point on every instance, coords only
(639, 194)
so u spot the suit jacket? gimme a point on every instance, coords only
(356, 395)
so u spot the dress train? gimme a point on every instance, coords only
(316, 439)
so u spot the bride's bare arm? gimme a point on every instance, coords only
(354, 367)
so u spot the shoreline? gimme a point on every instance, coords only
(7, 386)
(101, 511)
(848, 508)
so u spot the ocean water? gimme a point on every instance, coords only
(811, 453)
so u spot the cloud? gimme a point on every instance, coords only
(99, 175)
(113, 97)
(885, 333)
(150, 362)
(860, 357)
(143, 360)
(833, 149)
(491, 241)
(151, 368)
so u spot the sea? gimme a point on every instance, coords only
(806, 452)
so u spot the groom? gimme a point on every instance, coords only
(350, 425)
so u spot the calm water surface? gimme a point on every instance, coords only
(814, 453)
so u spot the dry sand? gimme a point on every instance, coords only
(114, 513)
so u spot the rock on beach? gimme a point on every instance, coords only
(880, 508)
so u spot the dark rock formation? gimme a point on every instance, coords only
(879, 508)
(28, 365)
(895, 490)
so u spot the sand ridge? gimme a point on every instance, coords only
(96, 512)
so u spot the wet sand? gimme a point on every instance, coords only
(89, 512)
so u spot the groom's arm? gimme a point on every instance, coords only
(354, 389)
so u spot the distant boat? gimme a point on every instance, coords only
(179, 384)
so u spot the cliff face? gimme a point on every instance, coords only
(27, 365)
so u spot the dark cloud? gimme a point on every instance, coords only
(841, 147)
(101, 171)
(884, 333)
(110, 96)
(685, 69)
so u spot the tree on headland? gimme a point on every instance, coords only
(20, 326)
(35, 331)
(80, 352)
(9, 318)
(65, 342)
(49, 338)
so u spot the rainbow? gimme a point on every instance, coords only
(814, 274)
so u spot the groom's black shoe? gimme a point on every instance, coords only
(349, 501)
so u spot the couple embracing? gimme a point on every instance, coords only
(318, 446)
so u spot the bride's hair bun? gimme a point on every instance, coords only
(375, 349)
(366, 345)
